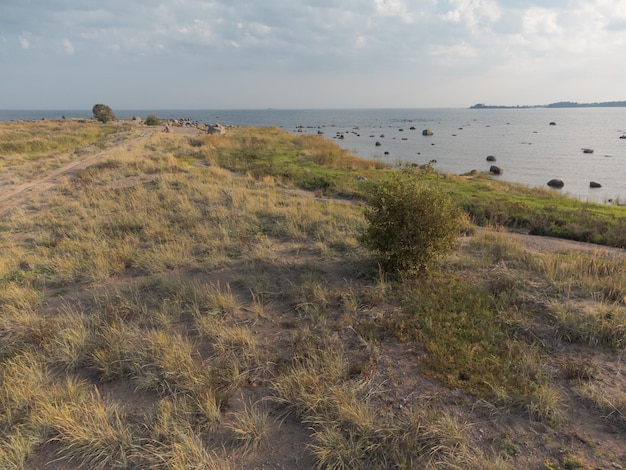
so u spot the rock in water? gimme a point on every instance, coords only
(556, 183)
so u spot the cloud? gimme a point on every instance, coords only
(24, 42)
(394, 8)
(358, 50)
(472, 14)
(456, 51)
(616, 25)
(541, 21)
(197, 31)
(68, 47)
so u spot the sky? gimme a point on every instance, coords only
(238, 54)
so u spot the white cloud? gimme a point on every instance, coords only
(394, 8)
(68, 47)
(24, 42)
(381, 44)
(472, 13)
(197, 30)
(462, 50)
(541, 21)
(260, 28)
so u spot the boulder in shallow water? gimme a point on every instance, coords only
(495, 170)
(427, 132)
(587, 150)
(491, 158)
(556, 183)
(593, 184)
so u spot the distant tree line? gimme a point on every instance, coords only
(560, 104)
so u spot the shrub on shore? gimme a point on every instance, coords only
(411, 223)
(152, 120)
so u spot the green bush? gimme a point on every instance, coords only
(152, 120)
(411, 223)
(103, 113)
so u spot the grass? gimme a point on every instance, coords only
(540, 212)
(250, 427)
(611, 405)
(203, 302)
(32, 149)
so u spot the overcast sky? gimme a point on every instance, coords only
(219, 54)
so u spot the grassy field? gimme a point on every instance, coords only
(196, 301)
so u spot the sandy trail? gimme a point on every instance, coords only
(11, 197)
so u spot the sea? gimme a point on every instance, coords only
(530, 145)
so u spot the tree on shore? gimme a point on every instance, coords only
(103, 113)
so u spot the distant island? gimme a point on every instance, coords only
(560, 104)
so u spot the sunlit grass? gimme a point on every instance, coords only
(172, 305)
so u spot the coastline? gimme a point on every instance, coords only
(528, 150)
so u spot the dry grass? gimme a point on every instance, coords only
(159, 311)
(611, 405)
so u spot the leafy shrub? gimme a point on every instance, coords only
(103, 113)
(411, 222)
(152, 120)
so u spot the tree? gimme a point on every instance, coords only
(103, 113)
(412, 223)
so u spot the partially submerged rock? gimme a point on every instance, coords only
(556, 183)
(495, 170)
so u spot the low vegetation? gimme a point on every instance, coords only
(411, 224)
(152, 120)
(205, 302)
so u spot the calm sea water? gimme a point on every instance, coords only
(526, 146)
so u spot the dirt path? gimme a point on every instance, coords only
(543, 244)
(12, 197)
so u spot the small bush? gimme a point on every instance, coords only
(152, 120)
(411, 223)
(103, 113)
